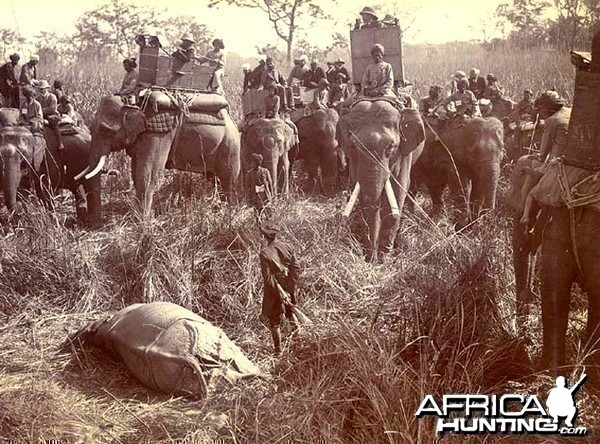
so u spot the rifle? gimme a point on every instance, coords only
(285, 297)
(579, 382)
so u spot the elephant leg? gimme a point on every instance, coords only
(558, 272)
(588, 248)
(151, 153)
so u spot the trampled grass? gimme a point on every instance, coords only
(437, 318)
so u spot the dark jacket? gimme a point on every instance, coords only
(278, 266)
(8, 78)
(311, 78)
(478, 86)
(255, 77)
(270, 77)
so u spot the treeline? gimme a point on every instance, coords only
(562, 24)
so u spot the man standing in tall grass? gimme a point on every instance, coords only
(280, 273)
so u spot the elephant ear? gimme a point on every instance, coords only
(134, 123)
(411, 131)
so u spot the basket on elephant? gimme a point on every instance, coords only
(583, 137)
(361, 42)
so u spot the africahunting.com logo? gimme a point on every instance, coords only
(506, 414)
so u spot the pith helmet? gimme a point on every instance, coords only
(43, 84)
(188, 37)
(368, 10)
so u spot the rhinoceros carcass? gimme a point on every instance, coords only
(169, 348)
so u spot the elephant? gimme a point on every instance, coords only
(27, 162)
(318, 148)
(273, 139)
(207, 142)
(569, 253)
(382, 140)
(466, 156)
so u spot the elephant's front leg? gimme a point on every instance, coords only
(558, 272)
(151, 153)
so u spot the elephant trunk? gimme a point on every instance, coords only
(11, 174)
(372, 184)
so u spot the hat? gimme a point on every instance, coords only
(463, 82)
(377, 48)
(15, 57)
(218, 42)
(475, 71)
(438, 88)
(269, 228)
(550, 99)
(34, 58)
(368, 10)
(528, 91)
(28, 91)
(246, 67)
(314, 62)
(491, 77)
(43, 84)
(65, 99)
(131, 62)
(188, 37)
(303, 58)
(323, 82)
(459, 75)
(339, 60)
(258, 158)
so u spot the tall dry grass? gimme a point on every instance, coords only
(437, 318)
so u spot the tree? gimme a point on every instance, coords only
(286, 16)
(53, 48)
(529, 29)
(173, 28)
(574, 25)
(10, 39)
(115, 24)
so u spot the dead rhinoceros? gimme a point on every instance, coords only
(169, 348)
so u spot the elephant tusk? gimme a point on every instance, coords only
(98, 168)
(352, 202)
(83, 173)
(389, 192)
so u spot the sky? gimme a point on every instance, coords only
(435, 21)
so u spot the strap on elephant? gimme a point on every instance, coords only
(394, 101)
(182, 103)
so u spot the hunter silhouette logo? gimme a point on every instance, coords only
(508, 413)
(560, 400)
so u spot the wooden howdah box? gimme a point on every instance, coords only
(361, 42)
(253, 102)
(157, 68)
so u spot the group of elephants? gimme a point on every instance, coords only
(380, 142)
